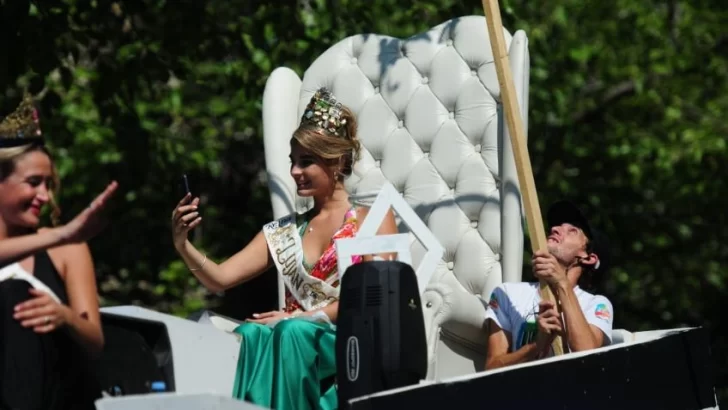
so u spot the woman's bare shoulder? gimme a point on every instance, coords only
(64, 255)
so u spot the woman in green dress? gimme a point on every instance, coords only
(287, 357)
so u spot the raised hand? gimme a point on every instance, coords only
(185, 217)
(89, 222)
(547, 268)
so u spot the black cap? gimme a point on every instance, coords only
(567, 212)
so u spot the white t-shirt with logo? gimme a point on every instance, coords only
(514, 308)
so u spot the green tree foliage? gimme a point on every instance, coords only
(627, 107)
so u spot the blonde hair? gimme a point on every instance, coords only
(9, 158)
(328, 146)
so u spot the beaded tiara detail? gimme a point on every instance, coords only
(21, 127)
(325, 112)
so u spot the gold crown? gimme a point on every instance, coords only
(21, 127)
(325, 112)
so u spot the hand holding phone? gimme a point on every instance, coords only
(185, 216)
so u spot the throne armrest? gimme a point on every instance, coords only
(280, 119)
(446, 301)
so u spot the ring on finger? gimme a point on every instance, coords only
(47, 320)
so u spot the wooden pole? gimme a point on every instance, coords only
(518, 141)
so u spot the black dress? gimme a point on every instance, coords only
(41, 371)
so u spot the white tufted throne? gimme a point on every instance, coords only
(430, 122)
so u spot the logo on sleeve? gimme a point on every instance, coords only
(493, 303)
(602, 312)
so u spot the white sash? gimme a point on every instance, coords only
(284, 243)
(15, 271)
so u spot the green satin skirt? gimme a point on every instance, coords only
(289, 367)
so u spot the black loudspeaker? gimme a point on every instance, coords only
(380, 330)
(137, 357)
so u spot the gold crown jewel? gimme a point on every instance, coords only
(22, 126)
(325, 112)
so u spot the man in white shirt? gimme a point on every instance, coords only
(521, 326)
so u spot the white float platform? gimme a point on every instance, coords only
(174, 401)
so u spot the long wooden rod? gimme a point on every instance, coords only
(517, 133)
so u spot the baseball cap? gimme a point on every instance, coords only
(567, 212)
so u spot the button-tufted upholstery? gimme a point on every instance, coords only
(430, 122)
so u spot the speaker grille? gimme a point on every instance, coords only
(374, 295)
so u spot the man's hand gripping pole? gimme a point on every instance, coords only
(518, 141)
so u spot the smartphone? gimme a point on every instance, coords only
(185, 184)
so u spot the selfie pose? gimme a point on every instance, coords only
(287, 357)
(49, 310)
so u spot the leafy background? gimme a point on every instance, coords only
(627, 113)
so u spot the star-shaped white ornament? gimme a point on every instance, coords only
(367, 242)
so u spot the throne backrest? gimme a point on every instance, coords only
(430, 122)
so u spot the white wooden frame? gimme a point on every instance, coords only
(367, 242)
